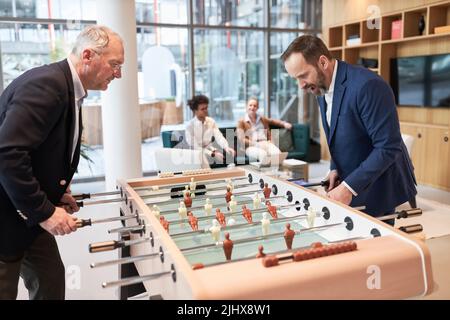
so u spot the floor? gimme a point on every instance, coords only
(85, 283)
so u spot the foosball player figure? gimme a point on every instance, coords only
(272, 209)
(311, 216)
(256, 201)
(230, 184)
(182, 211)
(227, 246)
(265, 223)
(186, 190)
(267, 191)
(164, 223)
(247, 214)
(208, 207)
(220, 217)
(192, 185)
(260, 253)
(156, 211)
(232, 205)
(289, 236)
(228, 194)
(215, 230)
(193, 221)
(188, 200)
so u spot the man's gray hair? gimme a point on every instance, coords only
(93, 37)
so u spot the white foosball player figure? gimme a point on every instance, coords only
(311, 217)
(215, 230)
(155, 211)
(232, 205)
(182, 211)
(265, 223)
(155, 188)
(186, 191)
(231, 221)
(256, 201)
(192, 185)
(230, 184)
(208, 207)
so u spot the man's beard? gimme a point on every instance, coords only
(321, 83)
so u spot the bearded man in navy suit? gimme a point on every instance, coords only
(40, 134)
(370, 165)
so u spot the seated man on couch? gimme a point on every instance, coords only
(201, 130)
(253, 132)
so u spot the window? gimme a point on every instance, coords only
(229, 70)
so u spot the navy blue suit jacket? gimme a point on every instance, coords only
(365, 142)
(37, 124)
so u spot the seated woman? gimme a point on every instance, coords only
(200, 131)
(253, 132)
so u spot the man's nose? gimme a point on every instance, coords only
(302, 84)
(118, 73)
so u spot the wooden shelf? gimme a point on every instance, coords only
(411, 22)
(363, 45)
(417, 38)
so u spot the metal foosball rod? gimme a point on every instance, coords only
(114, 244)
(402, 214)
(281, 252)
(203, 197)
(96, 202)
(139, 228)
(181, 192)
(82, 196)
(203, 182)
(234, 214)
(325, 183)
(174, 211)
(89, 222)
(140, 279)
(125, 260)
(257, 238)
(238, 226)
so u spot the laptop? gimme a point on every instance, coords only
(177, 160)
(274, 161)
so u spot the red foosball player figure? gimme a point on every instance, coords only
(247, 214)
(193, 221)
(227, 246)
(188, 200)
(228, 194)
(220, 217)
(260, 253)
(267, 191)
(164, 223)
(272, 209)
(289, 236)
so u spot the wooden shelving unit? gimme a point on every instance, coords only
(429, 126)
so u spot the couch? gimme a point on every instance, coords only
(303, 148)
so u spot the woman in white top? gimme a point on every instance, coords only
(253, 132)
(200, 131)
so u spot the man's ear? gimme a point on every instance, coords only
(323, 62)
(87, 56)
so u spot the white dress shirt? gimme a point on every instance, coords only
(79, 94)
(329, 101)
(199, 134)
(329, 94)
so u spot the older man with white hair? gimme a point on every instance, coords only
(40, 133)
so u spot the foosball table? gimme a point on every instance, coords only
(239, 234)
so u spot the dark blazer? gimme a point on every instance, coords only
(365, 142)
(36, 137)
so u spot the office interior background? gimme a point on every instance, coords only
(230, 51)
